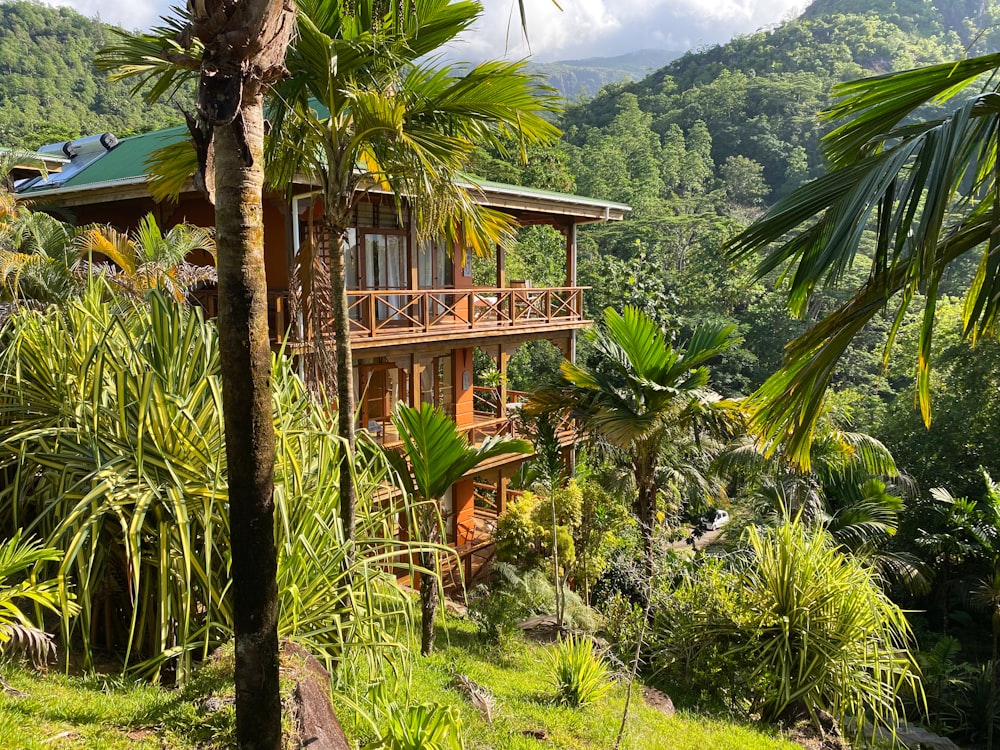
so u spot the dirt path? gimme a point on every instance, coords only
(703, 541)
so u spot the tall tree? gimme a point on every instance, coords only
(928, 189)
(384, 118)
(236, 50)
(638, 390)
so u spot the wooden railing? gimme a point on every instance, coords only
(390, 312)
(393, 313)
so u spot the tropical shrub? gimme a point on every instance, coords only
(579, 674)
(794, 629)
(112, 438)
(430, 726)
(18, 587)
(518, 534)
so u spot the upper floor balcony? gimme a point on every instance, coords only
(398, 317)
(390, 317)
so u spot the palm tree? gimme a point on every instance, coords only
(852, 489)
(927, 189)
(388, 117)
(639, 392)
(37, 256)
(235, 50)
(435, 456)
(146, 258)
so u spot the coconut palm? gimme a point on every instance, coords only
(235, 50)
(435, 456)
(639, 391)
(146, 258)
(387, 117)
(927, 189)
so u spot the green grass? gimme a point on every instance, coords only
(53, 710)
(56, 711)
(526, 701)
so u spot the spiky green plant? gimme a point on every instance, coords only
(579, 673)
(828, 637)
(112, 438)
(423, 727)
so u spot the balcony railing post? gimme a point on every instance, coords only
(372, 322)
(425, 308)
(471, 299)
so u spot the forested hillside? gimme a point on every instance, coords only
(758, 95)
(49, 89)
(700, 148)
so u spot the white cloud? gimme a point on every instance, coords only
(583, 28)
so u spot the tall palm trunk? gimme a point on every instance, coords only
(645, 478)
(345, 381)
(245, 355)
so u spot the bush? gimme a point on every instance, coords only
(425, 727)
(112, 437)
(496, 610)
(794, 629)
(518, 535)
(578, 672)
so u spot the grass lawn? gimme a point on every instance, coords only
(525, 703)
(51, 710)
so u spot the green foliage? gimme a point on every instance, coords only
(829, 638)
(524, 530)
(578, 673)
(796, 629)
(496, 609)
(20, 587)
(421, 727)
(50, 91)
(112, 437)
(518, 534)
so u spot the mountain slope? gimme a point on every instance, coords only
(582, 79)
(49, 88)
(759, 95)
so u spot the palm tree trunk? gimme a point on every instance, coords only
(645, 475)
(428, 602)
(345, 383)
(245, 355)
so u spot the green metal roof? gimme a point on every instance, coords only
(126, 163)
(127, 159)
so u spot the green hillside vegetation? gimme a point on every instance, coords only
(49, 88)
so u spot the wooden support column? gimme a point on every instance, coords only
(501, 267)
(503, 359)
(462, 387)
(502, 486)
(417, 369)
(571, 254)
(464, 506)
(571, 281)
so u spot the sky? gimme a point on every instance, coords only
(582, 28)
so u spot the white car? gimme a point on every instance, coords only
(715, 519)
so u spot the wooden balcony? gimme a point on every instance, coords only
(389, 317)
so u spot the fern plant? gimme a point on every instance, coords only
(579, 673)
